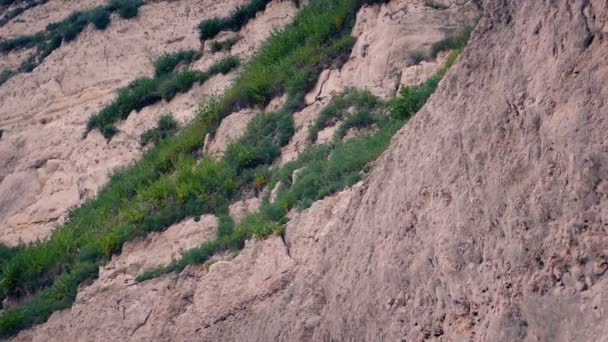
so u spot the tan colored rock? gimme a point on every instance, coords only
(159, 249)
(299, 141)
(417, 74)
(241, 209)
(232, 127)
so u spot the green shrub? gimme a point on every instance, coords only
(146, 91)
(166, 63)
(435, 5)
(224, 65)
(452, 42)
(418, 57)
(100, 17)
(209, 28)
(126, 9)
(338, 108)
(180, 83)
(223, 45)
(20, 42)
(166, 127)
(6, 75)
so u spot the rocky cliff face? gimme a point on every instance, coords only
(486, 219)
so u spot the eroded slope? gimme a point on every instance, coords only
(485, 220)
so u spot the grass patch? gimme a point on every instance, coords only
(209, 28)
(223, 45)
(452, 42)
(168, 185)
(166, 63)
(338, 109)
(6, 75)
(435, 5)
(166, 127)
(418, 57)
(146, 91)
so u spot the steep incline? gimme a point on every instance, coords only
(486, 219)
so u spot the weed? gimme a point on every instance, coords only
(223, 45)
(100, 17)
(145, 91)
(418, 57)
(166, 127)
(435, 5)
(452, 42)
(166, 63)
(6, 75)
(238, 18)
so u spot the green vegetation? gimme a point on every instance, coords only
(452, 42)
(324, 169)
(418, 57)
(435, 5)
(146, 91)
(67, 30)
(447, 44)
(6, 75)
(238, 18)
(338, 110)
(167, 184)
(166, 63)
(126, 9)
(100, 17)
(167, 126)
(223, 45)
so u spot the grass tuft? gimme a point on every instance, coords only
(209, 28)
(167, 126)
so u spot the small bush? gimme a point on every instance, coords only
(20, 42)
(126, 8)
(225, 65)
(209, 28)
(6, 75)
(435, 5)
(166, 63)
(224, 45)
(452, 42)
(100, 17)
(418, 57)
(180, 83)
(166, 127)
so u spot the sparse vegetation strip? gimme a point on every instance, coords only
(146, 91)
